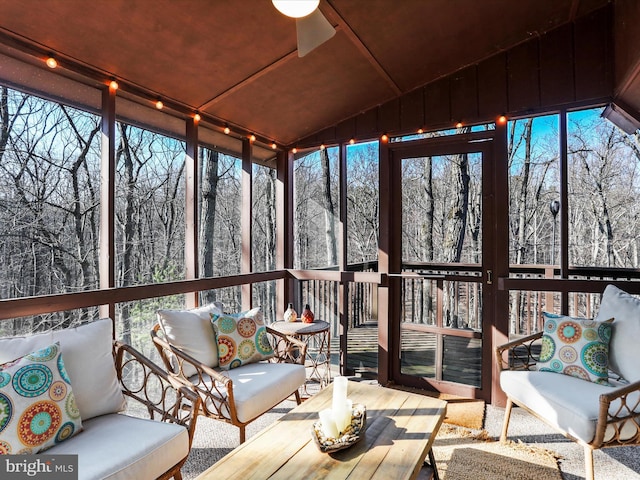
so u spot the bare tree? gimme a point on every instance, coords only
(329, 209)
(209, 196)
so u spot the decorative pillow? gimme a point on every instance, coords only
(242, 338)
(578, 347)
(624, 354)
(190, 331)
(37, 405)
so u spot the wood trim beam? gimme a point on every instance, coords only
(343, 290)
(250, 79)
(496, 327)
(385, 258)
(565, 285)
(22, 307)
(337, 276)
(246, 220)
(336, 19)
(564, 209)
(107, 198)
(191, 250)
(284, 226)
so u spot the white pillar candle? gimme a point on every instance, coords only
(339, 391)
(343, 415)
(328, 424)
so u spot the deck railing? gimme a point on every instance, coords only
(453, 292)
(449, 295)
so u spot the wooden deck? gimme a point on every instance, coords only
(461, 356)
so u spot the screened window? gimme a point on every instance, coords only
(149, 207)
(219, 214)
(317, 209)
(533, 156)
(604, 187)
(49, 197)
(363, 204)
(264, 219)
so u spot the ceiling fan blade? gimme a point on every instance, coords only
(313, 30)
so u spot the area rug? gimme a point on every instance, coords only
(461, 454)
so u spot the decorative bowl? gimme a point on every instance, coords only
(348, 438)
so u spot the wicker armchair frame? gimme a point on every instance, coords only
(214, 388)
(522, 355)
(162, 396)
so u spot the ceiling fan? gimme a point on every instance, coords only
(312, 27)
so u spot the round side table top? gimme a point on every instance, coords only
(300, 328)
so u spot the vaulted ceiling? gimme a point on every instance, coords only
(236, 61)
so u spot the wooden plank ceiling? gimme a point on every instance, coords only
(237, 60)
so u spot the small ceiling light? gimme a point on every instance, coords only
(352, 141)
(252, 137)
(294, 150)
(459, 125)
(159, 105)
(274, 146)
(113, 85)
(502, 119)
(226, 129)
(420, 131)
(384, 137)
(197, 117)
(52, 62)
(295, 8)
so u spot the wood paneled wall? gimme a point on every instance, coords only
(571, 65)
(627, 53)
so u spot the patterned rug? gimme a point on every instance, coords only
(464, 455)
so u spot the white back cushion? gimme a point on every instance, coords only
(624, 354)
(88, 359)
(191, 332)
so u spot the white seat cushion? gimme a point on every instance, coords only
(88, 359)
(118, 446)
(567, 403)
(258, 387)
(624, 354)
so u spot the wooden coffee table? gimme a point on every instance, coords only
(401, 428)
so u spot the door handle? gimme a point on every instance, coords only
(489, 277)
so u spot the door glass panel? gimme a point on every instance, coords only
(442, 237)
(462, 360)
(441, 209)
(418, 353)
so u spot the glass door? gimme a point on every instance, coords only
(445, 265)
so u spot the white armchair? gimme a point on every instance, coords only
(592, 414)
(188, 347)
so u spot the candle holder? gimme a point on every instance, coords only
(350, 436)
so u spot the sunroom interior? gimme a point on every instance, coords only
(119, 120)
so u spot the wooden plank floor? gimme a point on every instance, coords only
(462, 356)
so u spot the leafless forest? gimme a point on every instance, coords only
(50, 205)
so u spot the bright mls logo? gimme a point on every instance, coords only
(39, 467)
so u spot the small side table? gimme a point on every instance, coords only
(317, 337)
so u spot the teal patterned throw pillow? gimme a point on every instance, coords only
(37, 406)
(242, 338)
(578, 347)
